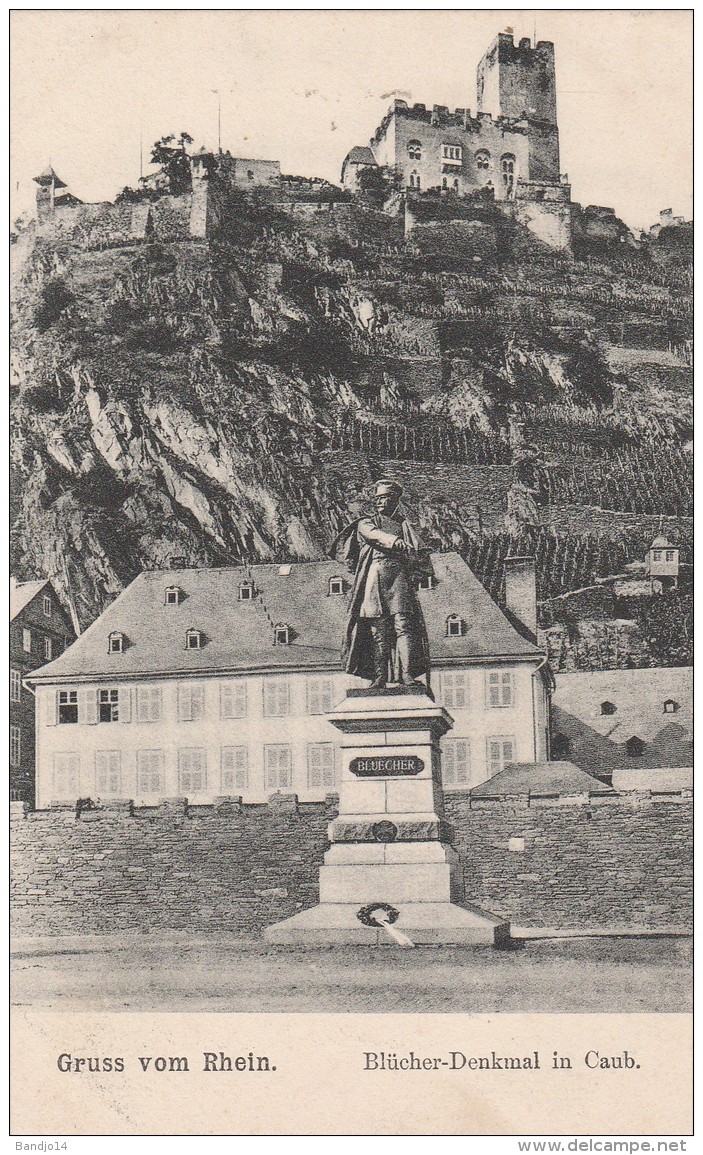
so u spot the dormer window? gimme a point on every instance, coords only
(670, 706)
(414, 150)
(281, 635)
(456, 626)
(635, 746)
(116, 643)
(336, 585)
(608, 707)
(173, 596)
(426, 582)
(195, 639)
(246, 591)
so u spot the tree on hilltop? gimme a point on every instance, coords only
(170, 153)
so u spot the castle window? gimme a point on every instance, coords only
(656, 555)
(116, 643)
(670, 555)
(414, 179)
(455, 185)
(456, 626)
(507, 168)
(336, 585)
(246, 591)
(670, 706)
(635, 746)
(250, 174)
(451, 153)
(281, 635)
(195, 639)
(483, 159)
(414, 150)
(173, 596)
(607, 708)
(47, 606)
(444, 182)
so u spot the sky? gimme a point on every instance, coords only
(304, 87)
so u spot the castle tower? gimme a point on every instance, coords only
(519, 83)
(48, 183)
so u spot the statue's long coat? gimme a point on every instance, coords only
(357, 653)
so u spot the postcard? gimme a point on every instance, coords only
(351, 574)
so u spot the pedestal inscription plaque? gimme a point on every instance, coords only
(390, 843)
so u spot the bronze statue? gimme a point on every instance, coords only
(385, 638)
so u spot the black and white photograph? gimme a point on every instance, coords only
(351, 563)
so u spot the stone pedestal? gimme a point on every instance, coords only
(390, 843)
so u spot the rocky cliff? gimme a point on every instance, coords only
(234, 399)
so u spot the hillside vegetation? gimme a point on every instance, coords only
(233, 400)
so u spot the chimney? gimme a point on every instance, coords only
(521, 591)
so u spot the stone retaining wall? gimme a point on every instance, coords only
(615, 861)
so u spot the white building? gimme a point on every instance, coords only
(211, 682)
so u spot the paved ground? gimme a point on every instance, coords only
(221, 973)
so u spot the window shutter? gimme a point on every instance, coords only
(51, 707)
(88, 707)
(185, 704)
(124, 704)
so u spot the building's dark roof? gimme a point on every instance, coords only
(22, 593)
(360, 155)
(638, 697)
(47, 176)
(239, 634)
(541, 778)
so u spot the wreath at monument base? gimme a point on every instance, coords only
(367, 913)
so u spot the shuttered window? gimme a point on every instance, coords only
(108, 772)
(149, 703)
(456, 762)
(321, 772)
(499, 688)
(455, 690)
(66, 776)
(233, 699)
(150, 772)
(234, 768)
(501, 751)
(191, 701)
(277, 767)
(276, 697)
(192, 771)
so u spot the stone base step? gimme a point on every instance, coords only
(336, 923)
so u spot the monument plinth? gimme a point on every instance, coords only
(390, 844)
